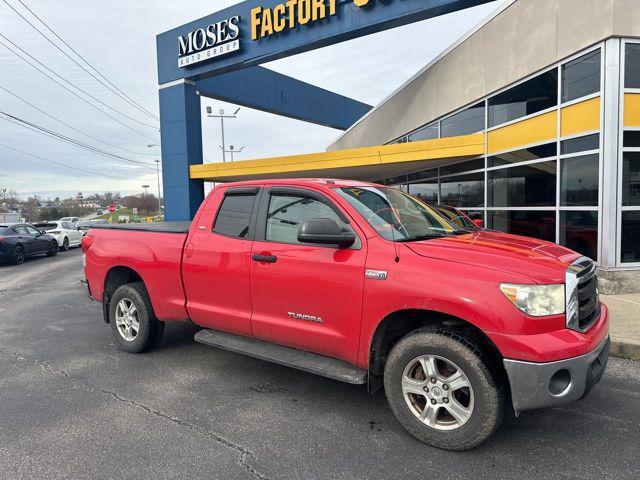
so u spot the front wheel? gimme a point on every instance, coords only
(132, 320)
(440, 388)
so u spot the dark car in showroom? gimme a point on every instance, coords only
(21, 240)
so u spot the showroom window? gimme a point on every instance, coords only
(470, 120)
(632, 66)
(580, 144)
(524, 155)
(581, 77)
(463, 190)
(531, 96)
(579, 181)
(530, 223)
(523, 186)
(430, 132)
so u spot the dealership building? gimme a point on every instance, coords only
(530, 122)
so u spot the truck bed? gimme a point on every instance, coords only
(156, 227)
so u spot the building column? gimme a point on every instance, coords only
(181, 134)
(610, 154)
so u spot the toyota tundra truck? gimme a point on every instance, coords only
(364, 284)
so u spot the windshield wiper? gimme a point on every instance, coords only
(417, 238)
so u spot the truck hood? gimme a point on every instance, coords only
(538, 260)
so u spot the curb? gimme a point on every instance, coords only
(625, 348)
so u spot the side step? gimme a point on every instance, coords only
(289, 357)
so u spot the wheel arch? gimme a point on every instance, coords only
(402, 322)
(115, 278)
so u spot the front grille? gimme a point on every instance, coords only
(588, 300)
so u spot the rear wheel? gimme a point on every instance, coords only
(65, 244)
(18, 256)
(442, 390)
(53, 249)
(132, 320)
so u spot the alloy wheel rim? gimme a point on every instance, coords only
(127, 321)
(437, 392)
(20, 255)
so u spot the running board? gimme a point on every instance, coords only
(289, 357)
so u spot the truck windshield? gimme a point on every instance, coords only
(397, 216)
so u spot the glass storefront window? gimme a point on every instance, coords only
(579, 232)
(538, 224)
(477, 164)
(523, 186)
(579, 181)
(429, 132)
(632, 66)
(463, 190)
(631, 179)
(531, 96)
(580, 144)
(581, 77)
(465, 122)
(531, 153)
(632, 139)
(426, 191)
(630, 237)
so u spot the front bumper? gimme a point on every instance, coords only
(538, 385)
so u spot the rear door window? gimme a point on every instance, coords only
(234, 216)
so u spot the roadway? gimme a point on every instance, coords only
(74, 406)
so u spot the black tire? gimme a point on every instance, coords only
(489, 398)
(53, 249)
(150, 329)
(65, 244)
(18, 256)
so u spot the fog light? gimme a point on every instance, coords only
(560, 382)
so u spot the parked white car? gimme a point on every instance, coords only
(72, 220)
(64, 232)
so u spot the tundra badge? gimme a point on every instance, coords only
(302, 316)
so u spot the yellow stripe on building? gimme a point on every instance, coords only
(369, 163)
(632, 110)
(581, 117)
(532, 130)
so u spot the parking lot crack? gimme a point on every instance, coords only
(244, 454)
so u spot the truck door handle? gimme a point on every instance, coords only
(264, 258)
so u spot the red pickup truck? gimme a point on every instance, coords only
(364, 284)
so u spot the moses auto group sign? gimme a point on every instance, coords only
(209, 42)
(224, 37)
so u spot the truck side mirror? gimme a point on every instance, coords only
(325, 231)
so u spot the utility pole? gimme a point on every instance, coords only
(158, 174)
(158, 178)
(231, 150)
(221, 115)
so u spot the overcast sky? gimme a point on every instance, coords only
(118, 38)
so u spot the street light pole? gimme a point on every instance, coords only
(232, 150)
(221, 115)
(145, 189)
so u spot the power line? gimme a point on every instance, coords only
(51, 133)
(110, 86)
(70, 126)
(75, 86)
(58, 163)
(71, 91)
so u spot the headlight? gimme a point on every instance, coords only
(536, 300)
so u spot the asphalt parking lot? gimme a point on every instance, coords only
(74, 406)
